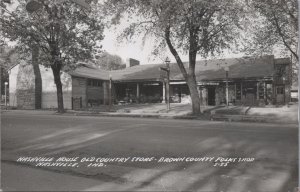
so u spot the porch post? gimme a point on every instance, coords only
(200, 94)
(241, 91)
(265, 94)
(110, 93)
(105, 93)
(138, 92)
(257, 90)
(274, 94)
(235, 91)
(227, 90)
(164, 93)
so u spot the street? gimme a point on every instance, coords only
(255, 156)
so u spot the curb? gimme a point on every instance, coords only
(154, 116)
(210, 117)
(117, 115)
(250, 118)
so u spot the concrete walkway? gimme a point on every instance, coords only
(283, 114)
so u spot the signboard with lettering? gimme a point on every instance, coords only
(208, 83)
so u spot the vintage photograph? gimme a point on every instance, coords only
(149, 95)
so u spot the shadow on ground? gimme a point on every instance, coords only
(274, 169)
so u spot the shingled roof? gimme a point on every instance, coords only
(206, 70)
(88, 71)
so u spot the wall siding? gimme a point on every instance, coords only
(95, 93)
(27, 91)
(49, 96)
(79, 89)
(13, 73)
(50, 100)
(25, 87)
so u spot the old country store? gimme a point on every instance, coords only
(248, 81)
(251, 81)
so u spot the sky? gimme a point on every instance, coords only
(135, 48)
(126, 50)
(138, 51)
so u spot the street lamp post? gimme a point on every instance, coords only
(167, 81)
(227, 93)
(5, 92)
(110, 93)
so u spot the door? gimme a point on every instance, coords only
(280, 94)
(211, 96)
(250, 92)
(250, 99)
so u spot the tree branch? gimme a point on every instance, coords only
(175, 54)
(282, 36)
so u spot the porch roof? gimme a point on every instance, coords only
(206, 70)
(88, 71)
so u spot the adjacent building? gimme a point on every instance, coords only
(251, 81)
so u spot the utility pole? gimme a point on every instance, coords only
(110, 93)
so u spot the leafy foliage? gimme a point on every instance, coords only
(204, 27)
(64, 32)
(214, 22)
(8, 58)
(274, 24)
(109, 62)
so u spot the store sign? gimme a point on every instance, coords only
(178, 83)
(150, 84)
(207, 83)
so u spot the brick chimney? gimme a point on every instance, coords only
(29, 83)
(131, 62)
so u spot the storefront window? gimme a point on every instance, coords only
(94, 83)
(280, 90)
(261, 90)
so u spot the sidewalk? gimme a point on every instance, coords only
(135, 110)
(283, 114)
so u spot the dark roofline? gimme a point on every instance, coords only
(219, 59)
(239, 79)
(120, 75)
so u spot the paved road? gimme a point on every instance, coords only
(273, 147)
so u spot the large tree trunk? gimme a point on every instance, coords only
(192, 84)
(189, 77)
(60, 101)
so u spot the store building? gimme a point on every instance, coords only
(251, 81)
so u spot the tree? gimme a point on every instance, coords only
(274, 23)
(203, 27)
(65, 34)
(8, 58)
(109, 62)
(273, 26)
